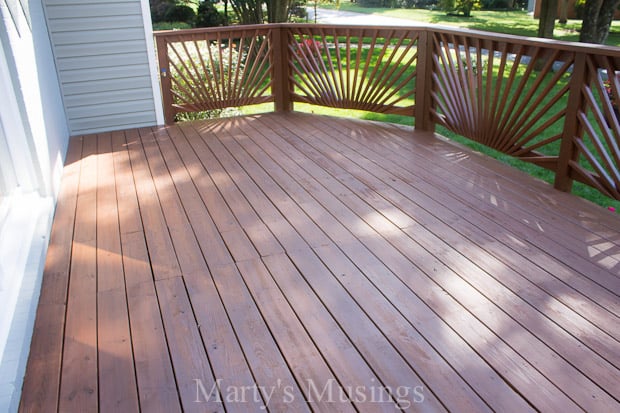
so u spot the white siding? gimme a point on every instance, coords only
(104, 65)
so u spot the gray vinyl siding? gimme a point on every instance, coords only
(102, 63)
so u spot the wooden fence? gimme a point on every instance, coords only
(551, 103)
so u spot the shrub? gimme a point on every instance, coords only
(463, 7)
(159, 9)
(180, 13)
(208, 16)
(497, 4)
(373, 3)
(171, 26)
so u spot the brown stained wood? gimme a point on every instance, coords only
(42, 378)
(218, 338)
(188, 354)
(196, 221)
(460, 266)
(155, 378)
(117, 377)
(211, 320)
(240, 245)
(423, 260)
(388, 364)
(404, 160)
(223, 217)
(305, 360)
(181, 235)
(270, 215)
(353, 254)
(558, 344)
(344, 359)
(165, 79)
(402, 180)
(538, 325)
(279, 391)
(410, 342)
(536, 215)
(536, 203)
(509, 402)
(129, 219)
(213, 201)
(214, 70)
(535, 297)
(230, 367)
(154, 373)
(467, 361)
(79, 382)
(514, 367)
(162, 255)
(289, 209)
(335, 230)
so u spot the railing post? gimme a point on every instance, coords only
(164, 77)
(424, 83)
(568, 149)
(280, 69)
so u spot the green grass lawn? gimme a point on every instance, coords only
(509, 22)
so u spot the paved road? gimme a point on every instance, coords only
(348, 17)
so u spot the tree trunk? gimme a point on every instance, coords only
(248, 11)
(277, 10)
(605, 17)
(546, 24)
(563, 18)
(590, 21)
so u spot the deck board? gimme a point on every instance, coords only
(79, 384)
(312, 263)
(155, 382)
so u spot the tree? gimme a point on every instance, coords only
(251, 11)
(563, 12)
(463, 7)
(208, 16)
(546, 22)
(277, 10)
(597, 17)
(248, 11)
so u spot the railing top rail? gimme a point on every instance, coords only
(212, 32)
(575, 47)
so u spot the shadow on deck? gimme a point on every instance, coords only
(303, 263)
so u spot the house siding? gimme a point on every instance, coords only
(103, 62)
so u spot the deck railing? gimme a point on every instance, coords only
(551, 103)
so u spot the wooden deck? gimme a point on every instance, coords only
(305, 263)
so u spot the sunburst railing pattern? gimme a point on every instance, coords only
(510, 97)
(597, 139)
(369, 69)
(210, 69)
(551, 103)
